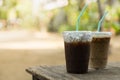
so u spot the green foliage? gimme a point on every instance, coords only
(30, 22)
(115, 20)
(6, 6)
(65, 28)
(9, 3)
(116, 27)
(64, 18)
(90, 19)
(3, 13)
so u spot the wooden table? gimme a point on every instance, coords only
(111, 72)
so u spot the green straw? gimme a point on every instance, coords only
(81, 13)
(100, 22)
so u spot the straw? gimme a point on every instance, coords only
(100, 22)
(81, 13)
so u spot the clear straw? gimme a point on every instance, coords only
(81, 13)
(100, 22)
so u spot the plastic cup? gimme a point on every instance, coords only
(99, 49)
(77, 50)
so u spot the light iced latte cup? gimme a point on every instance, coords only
(77, 50)
(99, 49)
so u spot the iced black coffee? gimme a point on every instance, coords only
(77, 51)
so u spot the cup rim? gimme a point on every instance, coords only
(75, 31)
(101, 34)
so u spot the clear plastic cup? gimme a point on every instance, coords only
(77, 50)
(99, 49)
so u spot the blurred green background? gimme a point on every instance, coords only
(40, 15)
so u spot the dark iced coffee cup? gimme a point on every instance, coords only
(77, 51)
(99, 49)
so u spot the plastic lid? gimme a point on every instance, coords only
(77, 36)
